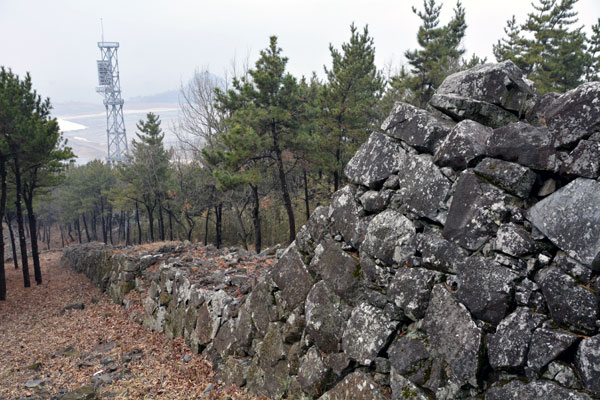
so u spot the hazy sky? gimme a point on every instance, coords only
(163, 42)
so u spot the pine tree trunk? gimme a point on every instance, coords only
(3, 194)
(20, 224)
(127, 229)
(206, 227)
(48, 236)
(137, 220)
(161, 221)
(37, 269)
(306, 200)
(62, 236)
(102, 218)
(150, 222)
(219, 225)
(78, 231)
(69, 233)
(256, 220)
(287, 201)
(12, 241)
(85, 226)
(109, 218)
(170, 223)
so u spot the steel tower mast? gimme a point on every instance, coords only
(110, 88)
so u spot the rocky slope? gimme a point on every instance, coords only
(461, 261)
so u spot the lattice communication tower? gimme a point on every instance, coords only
(110, 88)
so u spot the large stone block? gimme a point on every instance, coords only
(575, 114)
(464, 145)
(453, 336)
(366, 333)
(525, 144)
(424, 190)
(291, 277)
(377, 159)
(486, 288)
(415, 127)
(324, 321)
(570, 218)
(476, 211)
(570, 304)
(390, 237)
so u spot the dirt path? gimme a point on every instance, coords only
(38, 341)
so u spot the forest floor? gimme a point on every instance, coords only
(46, 351)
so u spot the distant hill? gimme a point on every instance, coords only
(171, 96)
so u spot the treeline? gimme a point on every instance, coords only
(259, 151)
(32, 157)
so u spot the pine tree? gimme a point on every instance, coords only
(148, 170)
(439, 54)
(546, 46)
(264, 131)
(592, 72)
(354, 87)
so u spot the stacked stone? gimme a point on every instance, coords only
(461, 261)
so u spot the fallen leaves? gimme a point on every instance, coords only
(67, 349)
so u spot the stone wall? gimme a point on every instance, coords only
(461, 261)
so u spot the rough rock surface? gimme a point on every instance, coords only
(570, 219)
(415, 127)
(459, 262)
(464, 145)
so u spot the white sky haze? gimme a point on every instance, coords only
(163, 42)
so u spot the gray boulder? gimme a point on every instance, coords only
(486, 288)
(572, 267)
(343, 214)
(374, 201)
(404, 389)
(525, 144)
(534, 390)
(291, 277)
(509, 176)
(338, 269)
(463, 146)
(324, 321)
(408, 356)
(507, 348)
(571, 305)
(366, 333)
(390, 237)
(356, 386)
(576, 114)
(377, 159)
(460, 108)
(588, 362)
(313, 374)
(514, 240)
(415, 126)
(584, 160)
(501, 84)
(476, 210)
(438, 253)
(453, 336)
(493, 94)
(570, 218)
(423, 188)
(311, 233)
(410, 289)
(547, 345)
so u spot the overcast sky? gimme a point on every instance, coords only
(163, 42)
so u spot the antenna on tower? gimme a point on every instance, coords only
(110, 87)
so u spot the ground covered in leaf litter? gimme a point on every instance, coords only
(46, 351)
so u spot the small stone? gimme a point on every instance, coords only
(514, 240)
(390, 237)
(464, 146)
